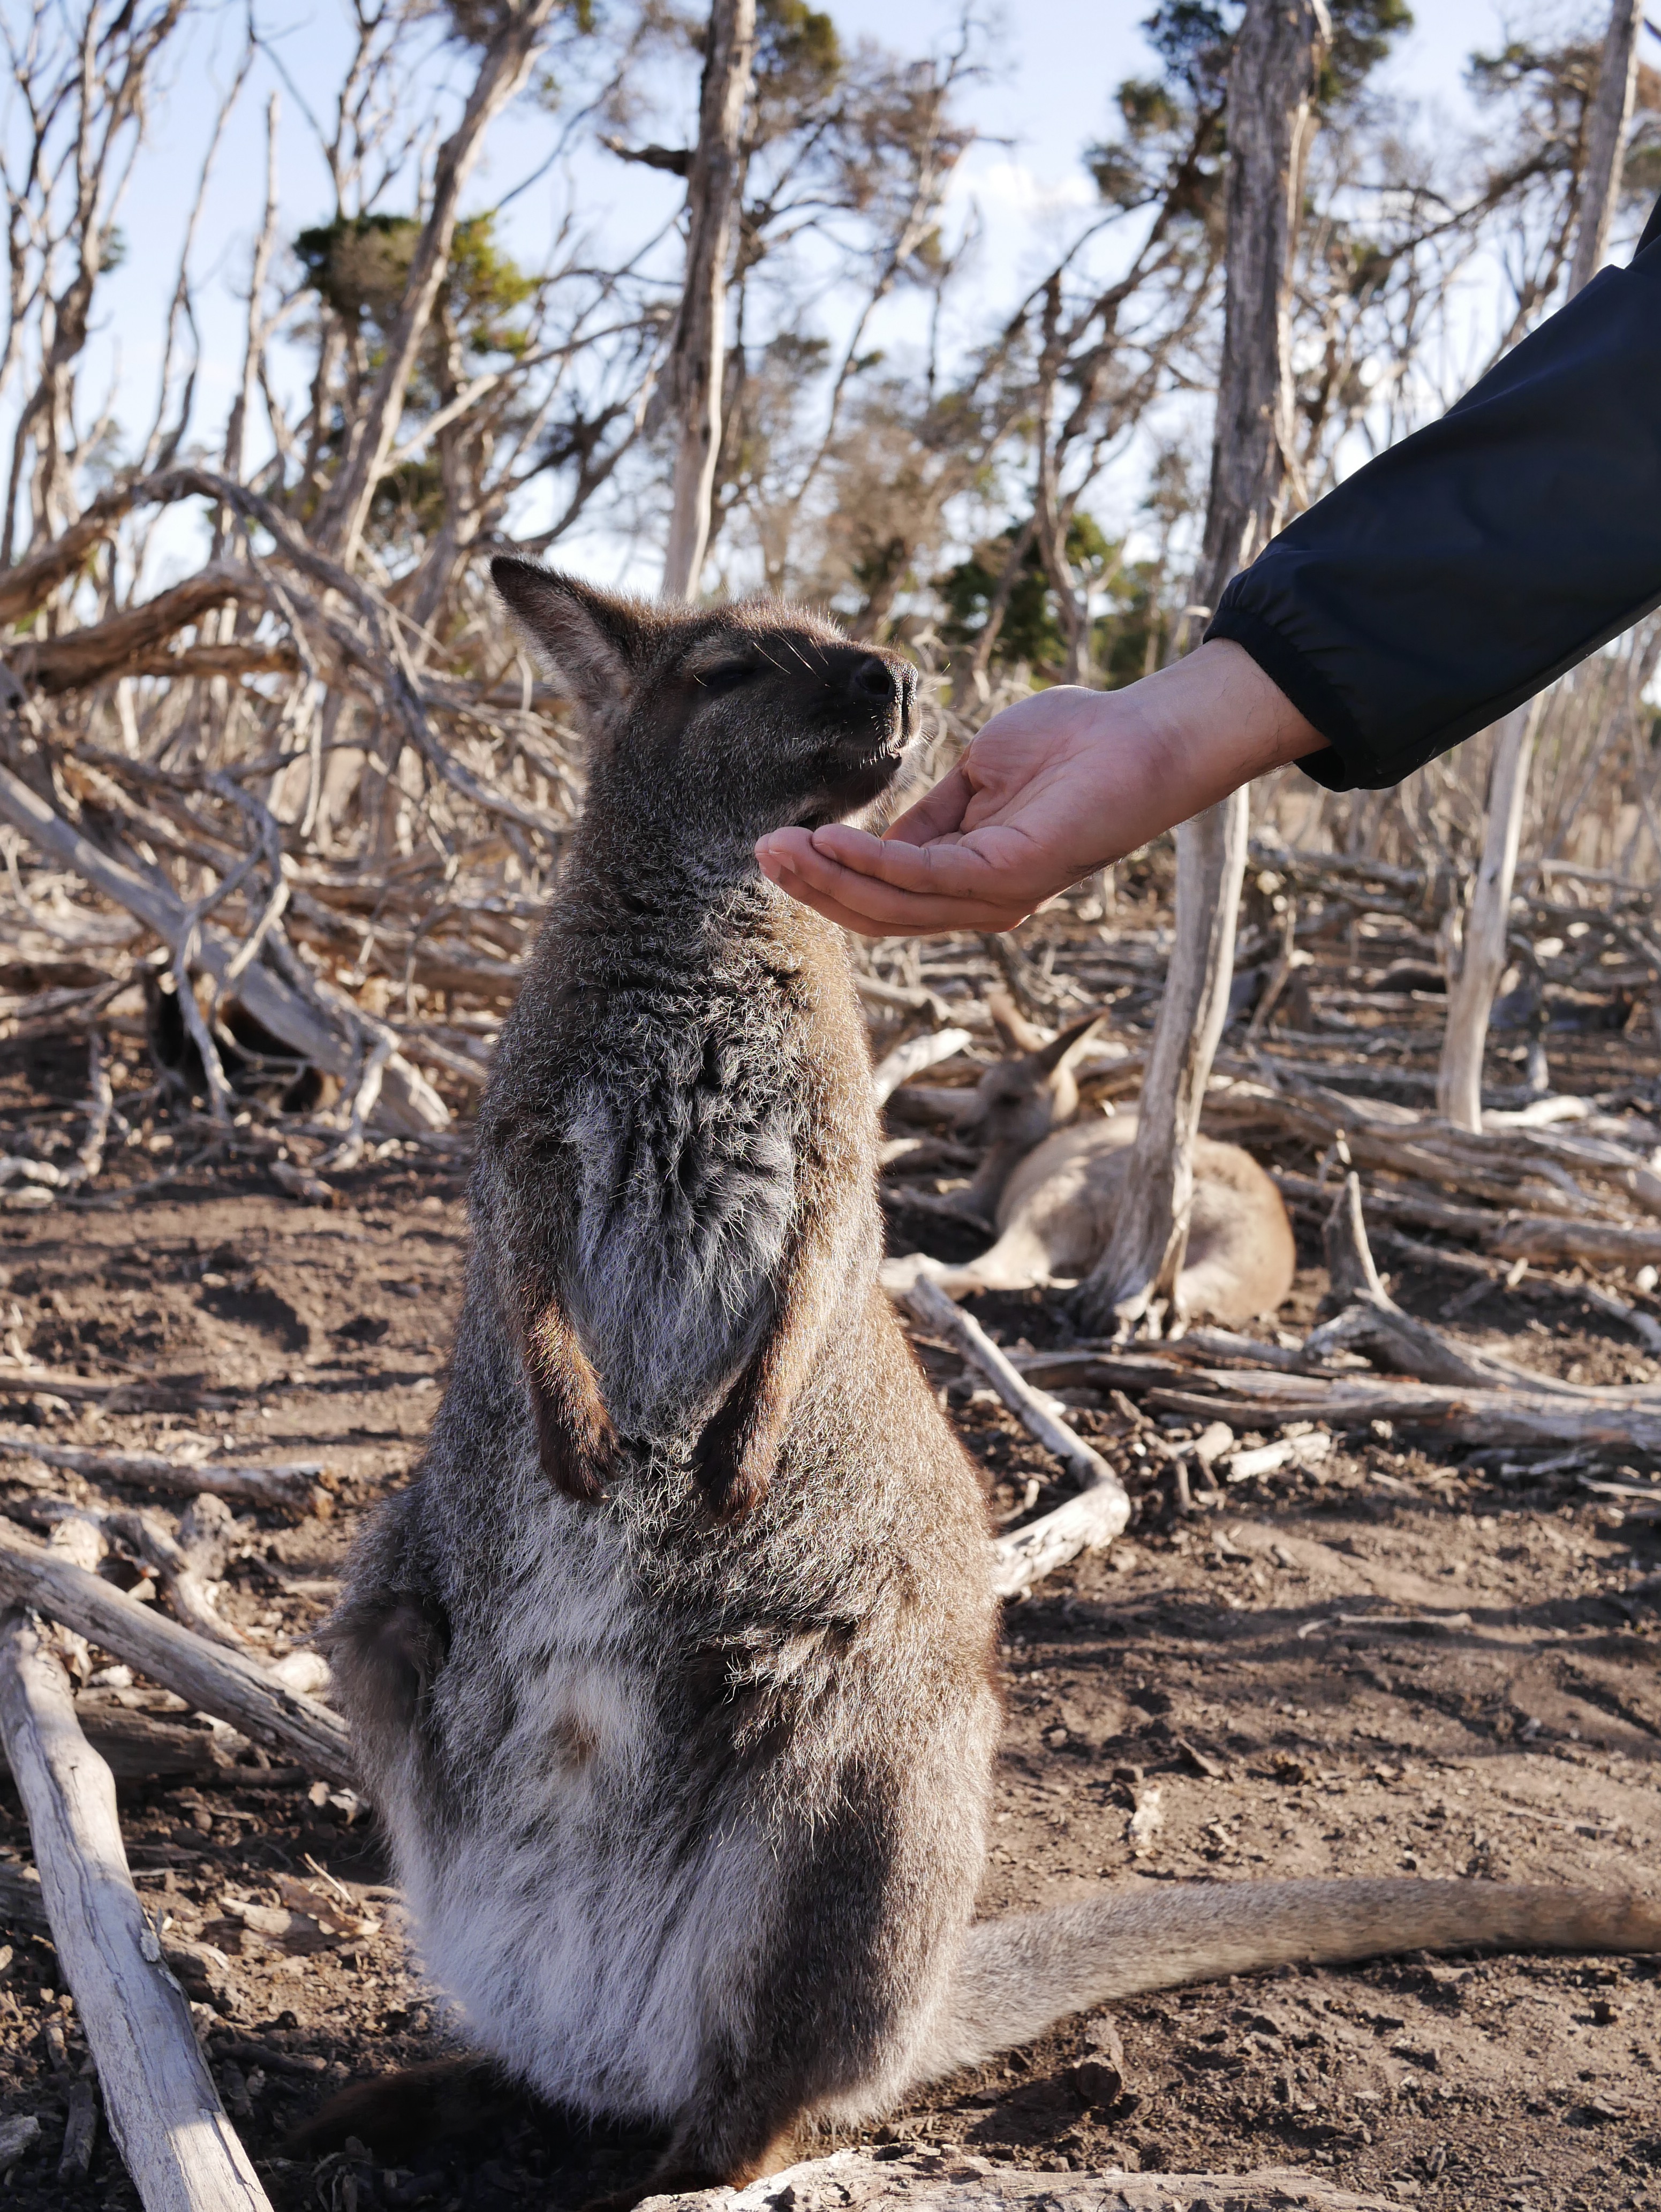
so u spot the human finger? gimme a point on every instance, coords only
(947, 868)
(936, 814)
(878, 909)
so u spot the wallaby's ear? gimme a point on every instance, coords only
(592, 640)
(1015, 1033)
(1061, 1049)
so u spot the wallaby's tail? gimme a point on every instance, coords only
(1018, 1976)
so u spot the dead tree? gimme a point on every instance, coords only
(502, 70)
(693, 373)
(1272, 78)
(1476, 943)
(1611, 111)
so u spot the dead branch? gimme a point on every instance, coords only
(291, 1483)
(926, 1050)
(180, 2148)
(409, 1101)
(1088, 1522)
(83, 657)
(226, 1684)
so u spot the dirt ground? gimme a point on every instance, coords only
(1240, 1683)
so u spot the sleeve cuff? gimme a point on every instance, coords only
(1347, 765)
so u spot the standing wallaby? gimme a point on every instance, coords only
(672, 1671)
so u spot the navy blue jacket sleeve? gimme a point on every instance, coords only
(1459, 573)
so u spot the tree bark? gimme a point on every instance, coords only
(1611, 111)
(180, 2150)
(1482, 952)
(1271, 86)
(369, 438)
(693, 373)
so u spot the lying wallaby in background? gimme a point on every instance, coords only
(1056, 1220)
(1016, 1104)
(1054, 1198)
(672, 1673)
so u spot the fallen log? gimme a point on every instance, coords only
(1101, 1510)
(1601, 1422)
(1509, 1235)
(953, 2180)
(143, 1747)
(291, 1483)
(227, 1683)
(180, 2148)
(1372, 1321)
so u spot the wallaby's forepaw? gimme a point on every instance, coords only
(734, 1473)
(576, 1453)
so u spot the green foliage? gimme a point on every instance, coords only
(796, 45)
(475, 22)
(360, 265)
(1194, 40)
(1031, 630)
(1362, 34)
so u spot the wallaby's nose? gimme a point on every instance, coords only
(873, 679)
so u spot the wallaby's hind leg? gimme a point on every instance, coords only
(1016, 1977)
(397, 2113)
(694, 2160)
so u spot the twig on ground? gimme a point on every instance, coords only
(1099, 1512)
(227, 1683)
(292, 1483)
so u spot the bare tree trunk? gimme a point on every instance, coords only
(693, 374)
(1611, 111)
(369, 438)
(1271, 86)
(1482, 952)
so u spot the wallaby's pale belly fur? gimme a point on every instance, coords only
(671, 1673)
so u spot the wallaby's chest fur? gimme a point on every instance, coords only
(651, 1126)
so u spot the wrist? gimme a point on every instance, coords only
(1211, 722)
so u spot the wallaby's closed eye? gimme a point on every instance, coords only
(671, 1673)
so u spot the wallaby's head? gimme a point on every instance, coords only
(1024, 1097)
(1018, 1102)
(728, 721)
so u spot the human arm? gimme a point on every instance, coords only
(1440, 586)
(1466, 567)
(1051, 790)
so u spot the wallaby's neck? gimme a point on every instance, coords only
(638, 892)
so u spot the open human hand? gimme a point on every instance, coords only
(1054, 788)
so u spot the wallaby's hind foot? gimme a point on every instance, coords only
(397, 2113)
(1018, 1976)
(681, 2172)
